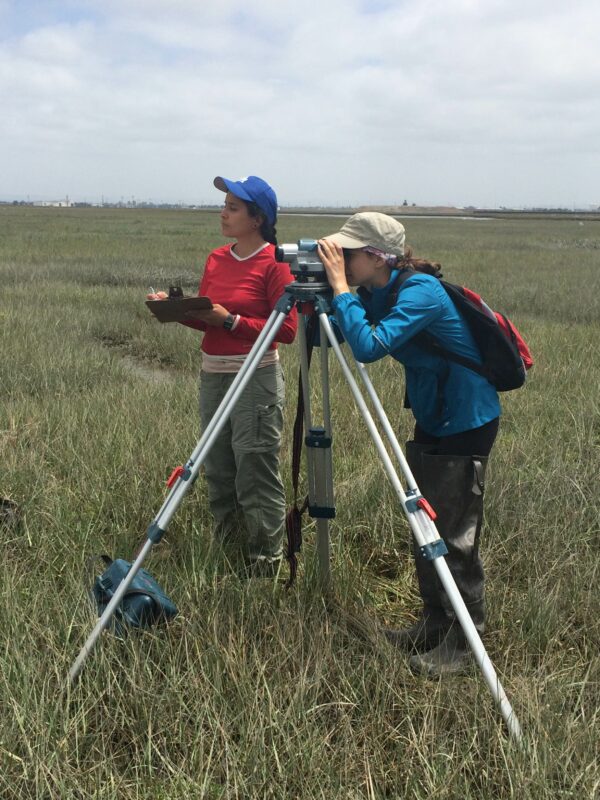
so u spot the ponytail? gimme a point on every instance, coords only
(419, 264)
(267, 231)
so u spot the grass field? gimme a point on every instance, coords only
(254, 691)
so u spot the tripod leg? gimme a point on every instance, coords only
(422, 526)
(318, 459)
(188, 474)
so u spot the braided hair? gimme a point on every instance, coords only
(267, 231)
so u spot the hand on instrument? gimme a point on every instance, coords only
(332, 256)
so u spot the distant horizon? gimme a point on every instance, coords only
(133, 202)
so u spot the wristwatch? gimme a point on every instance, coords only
(229, 322)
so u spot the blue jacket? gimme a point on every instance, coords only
(446, 398)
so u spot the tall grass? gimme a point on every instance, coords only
(256, 691)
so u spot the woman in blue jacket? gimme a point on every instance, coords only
(456, 413)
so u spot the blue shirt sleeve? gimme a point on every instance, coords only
(420, 305)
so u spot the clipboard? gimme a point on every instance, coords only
(174, 309)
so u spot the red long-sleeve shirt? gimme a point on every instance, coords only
(250, 287)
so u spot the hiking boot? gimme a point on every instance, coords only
(451, 657)
(427, 633)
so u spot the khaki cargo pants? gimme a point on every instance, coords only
(245, 490)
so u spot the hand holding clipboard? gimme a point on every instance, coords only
(175, 307)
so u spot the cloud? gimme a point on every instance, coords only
(358, 101)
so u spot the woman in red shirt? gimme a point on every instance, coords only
(244, 282)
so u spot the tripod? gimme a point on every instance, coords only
(313, 297)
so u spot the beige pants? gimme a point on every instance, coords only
(242, 467)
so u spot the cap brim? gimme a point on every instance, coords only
(232, 186)
(345, 241)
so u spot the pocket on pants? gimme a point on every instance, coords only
(258, 419)
(269, 423)
(269, 407)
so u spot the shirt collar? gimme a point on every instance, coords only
(255, 253)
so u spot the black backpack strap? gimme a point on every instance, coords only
(364, 295)
(401, 277)
(432, 345)
(424, 339)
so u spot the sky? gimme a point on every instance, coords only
(488, 103)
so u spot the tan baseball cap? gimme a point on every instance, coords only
(371, 229)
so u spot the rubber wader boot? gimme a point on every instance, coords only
(454, 485)
(433, 623)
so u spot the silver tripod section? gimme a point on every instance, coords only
(320, 477)
(319, 468)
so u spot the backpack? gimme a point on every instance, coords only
(144, 603)
(505, 355)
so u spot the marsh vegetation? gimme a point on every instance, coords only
(256, 691)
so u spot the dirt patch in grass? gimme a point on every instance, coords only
(151, 371)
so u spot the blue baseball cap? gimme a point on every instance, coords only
(253, 190)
